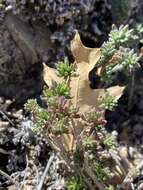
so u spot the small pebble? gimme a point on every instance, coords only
(8, 102)
(18, 114)
(3, 124)
(115, 133)
(123, 152)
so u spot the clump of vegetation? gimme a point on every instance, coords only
(74, 183)
(109, 103)
(60, 122)
(109, 142)
(65, 69)
(117, 54)
(74, 121)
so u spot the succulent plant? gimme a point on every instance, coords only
(117, 54)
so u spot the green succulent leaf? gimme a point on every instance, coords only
(65, 69)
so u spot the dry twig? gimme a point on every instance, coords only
(1, 112)
(9, 178)
(40, 185)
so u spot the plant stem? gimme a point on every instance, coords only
(131, 91)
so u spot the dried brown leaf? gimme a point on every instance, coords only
(84, 97)
(115, 91)
(50, 76)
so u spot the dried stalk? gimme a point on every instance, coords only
(9, 178)
(7, 118)
(23, 182)
(45, 172)
(131, 91)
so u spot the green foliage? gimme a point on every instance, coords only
(116, 54)
(47, 93)
(109, 188)
(107, 50)
(128, 59)
(75, 183)
(139, 28)
(102, 173)
(109, 142)
(99, 127)
(31, 105)
(89, 143)
(91, 116)
(121, 36)
(139, 31)
(81, 139)
(61, 89)
(60, 125)
(41, 118)
(53, 102)
(56, 120)
(65, 69)
(135, 171)
(109, 103)
(117, 38)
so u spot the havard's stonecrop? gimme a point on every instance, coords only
(116, 53)
(73, 121)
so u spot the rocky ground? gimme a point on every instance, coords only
(25, 156)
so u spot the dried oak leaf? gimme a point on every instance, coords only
(50, 76)
(83, 97)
